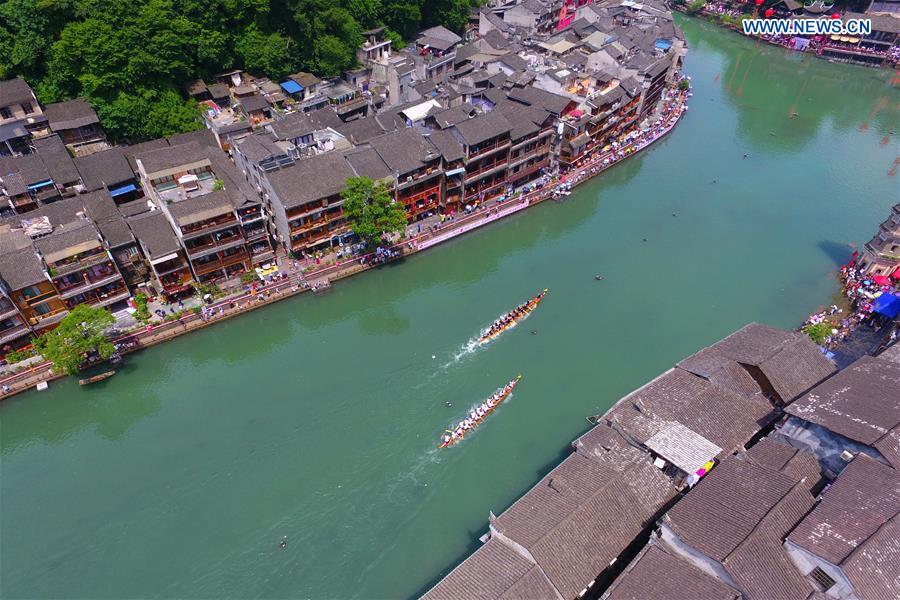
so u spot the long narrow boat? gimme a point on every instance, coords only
(456, 435)
(96, 378)
(495, 330)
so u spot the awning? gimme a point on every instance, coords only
(122, 189)
(40, 184)
(881, 280)
(189, 178)
(291, 86)
(896, 273)
(887, 305)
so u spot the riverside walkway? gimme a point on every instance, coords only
(297, 282)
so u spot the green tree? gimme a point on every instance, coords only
(696, 6)
(78, 334)
(818, 332)
(371, 211)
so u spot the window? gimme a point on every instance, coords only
(5, 112)
(31, 291)
(822, 580)
(26, 106)
(41, 309)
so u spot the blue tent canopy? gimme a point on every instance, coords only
(888, 305)
(662, 44)
(291, 87)
(124, 189)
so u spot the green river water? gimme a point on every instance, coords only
(317, 418)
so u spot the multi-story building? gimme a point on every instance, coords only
(486, 142)
(81, 267)
(14, 331)
(170, 271)
(305, 202)
(20, 117)
(417, 170)
(27, 284)
(117, 236)
(881, 254)
(435, 51)
(76, 123)
(109, 170)
(454, 168)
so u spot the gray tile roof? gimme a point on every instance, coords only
(155, 233)
(366, 162)
(874, 566)
(204, 137)
(172, 157)
(657, 575)
(492, 570)
(254, 103)
(861, 402)
(549, 101)
(108, 168)
(68, 240)
(727, 505)
(723, 417)
(70, 114)
(447, 145)
(773, 452)
(294, 125)
(362, 130)
(201, 208)
(862, 499)
(325, 117)
(788, 359)
(144, 147)
(15, 91)
(31, 167)
(57, 159)
(404, 151)
(483, 127)
(311, 179)
(21, 268)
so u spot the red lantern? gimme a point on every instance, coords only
(759, 2)
(836, 16)
(770, 12)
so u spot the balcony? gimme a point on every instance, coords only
(14, 333)
(100, 297)
(533, 139)
(308, 225)
(7, 311)
(75, 264)
(350, 105)
(192, 231)
(220, 263)
(88, 285)
(419, 177)
(170, 267)
(48, 319)
(485, 150)
(493, 187)
(528, 170)
(486, 170)
(252, 217)
(539, 151)
(420, 196)
(216, 246)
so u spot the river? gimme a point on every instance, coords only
(316, 418)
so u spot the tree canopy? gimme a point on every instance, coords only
(131, 58)
(78, 334)
(371, 211)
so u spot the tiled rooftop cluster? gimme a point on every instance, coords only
(448, 123)
(728, 462)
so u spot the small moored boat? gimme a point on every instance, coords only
(478, 415)
(96, 378)
(510, 319)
